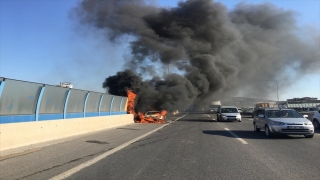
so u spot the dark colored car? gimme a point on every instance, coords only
(248, 111)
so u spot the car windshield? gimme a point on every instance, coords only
(283, 114)
(229, 110)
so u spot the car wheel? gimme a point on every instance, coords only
(267, 131)
(316, 124)
(308, 136)
(255, 128)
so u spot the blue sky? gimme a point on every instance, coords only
(39, 42)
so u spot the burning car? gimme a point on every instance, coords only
(156, 115)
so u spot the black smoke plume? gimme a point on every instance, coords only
(212, 52)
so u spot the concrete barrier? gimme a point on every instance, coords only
(15, 135)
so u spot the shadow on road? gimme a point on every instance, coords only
(250, 134)
(246, 116)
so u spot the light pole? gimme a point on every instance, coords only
(277, 89)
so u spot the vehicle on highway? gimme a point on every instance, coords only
(156, 115)
(311, 110)
(316, 119)
(282, 121)
(228, 113)
(248, 111)
(213, 107)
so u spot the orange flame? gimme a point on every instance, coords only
(130, 105)
(140, 118)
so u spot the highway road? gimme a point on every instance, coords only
(193, 147)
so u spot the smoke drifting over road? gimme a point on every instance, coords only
(217, 52)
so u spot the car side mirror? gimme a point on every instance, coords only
(305, 116)
(261, 116)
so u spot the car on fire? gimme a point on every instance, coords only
(156, 115)
(282, 121)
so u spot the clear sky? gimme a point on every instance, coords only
(40, 42)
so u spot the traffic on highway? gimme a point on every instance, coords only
(160, 90)
(191, 145)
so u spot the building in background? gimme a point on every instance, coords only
(303, 104)
(66, 85)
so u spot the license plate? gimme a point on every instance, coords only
(295, 127)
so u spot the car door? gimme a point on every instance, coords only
(259, 118)
(255, 117)
(218, 113)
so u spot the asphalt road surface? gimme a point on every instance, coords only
(193, 147)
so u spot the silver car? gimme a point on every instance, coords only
(282, 121)
(228, 113)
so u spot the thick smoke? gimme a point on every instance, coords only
(170, 93)
(215, 52)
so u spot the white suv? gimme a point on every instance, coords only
(316, 119)
(228, 113)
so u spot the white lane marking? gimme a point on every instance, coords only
(181, 117)
(78, 168)
(236, 136)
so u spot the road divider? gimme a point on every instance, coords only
(236, 136)
(20, 135)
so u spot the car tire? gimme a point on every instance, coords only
(308, 136)
(255, 128)
(267, 132)
(316, 124)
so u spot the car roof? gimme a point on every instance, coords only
(229, 107)
(269, 109)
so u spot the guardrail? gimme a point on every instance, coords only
(22, 101)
